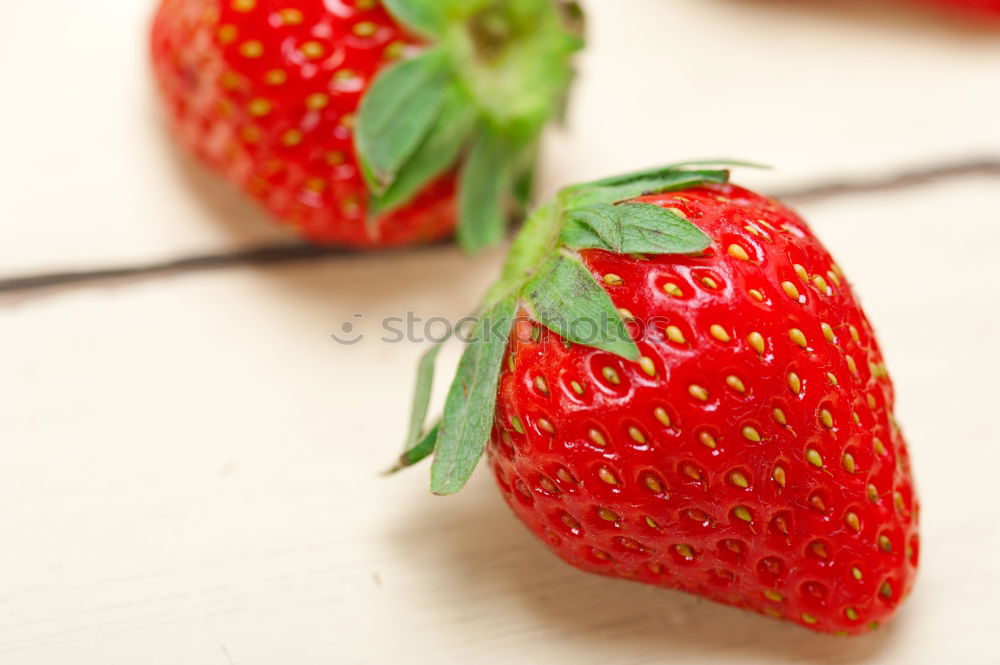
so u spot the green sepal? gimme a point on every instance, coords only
(494, 74)
(565, 298)
(573, 18)
(421, 449)
(437, 154)
(643, 184)
(485, 190)
(545, 274)
(631, 228)
(523, 189)
(471, 402)
(422, 394)
(513, 57)
(668, 172)
(398, 113)
(427, 17)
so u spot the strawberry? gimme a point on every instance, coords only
(676, 385)
(366, 123)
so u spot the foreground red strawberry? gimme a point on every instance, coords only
(741, 448)
(363, 125)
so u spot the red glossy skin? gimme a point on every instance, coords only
(265, 93)
(652, 497)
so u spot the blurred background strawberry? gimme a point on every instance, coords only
(270, 94)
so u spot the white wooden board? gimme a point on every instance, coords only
(191, 467)
(190, 464)
(815, 89)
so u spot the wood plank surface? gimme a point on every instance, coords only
(191, 470)
(191, 464)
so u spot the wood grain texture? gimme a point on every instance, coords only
(190, 470)
(813, 88)
(296, 252)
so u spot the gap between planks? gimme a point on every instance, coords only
(299, 253)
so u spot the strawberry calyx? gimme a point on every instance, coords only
(492, 75)
(545, 280)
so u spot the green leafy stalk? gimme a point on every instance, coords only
(421, 395)
(641, 185)
(566, 299)
(428, 17)
(631, 228)
(487, 178)
(398, 112)
(468, 411)
(546, 276)
(433, 158)
(475, 102)
(421, 449)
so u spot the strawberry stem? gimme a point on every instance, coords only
(545, 276)
(476, 100)
(536, 240)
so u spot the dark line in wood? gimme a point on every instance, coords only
(901, 180)
(281, 254)
(259, 256)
